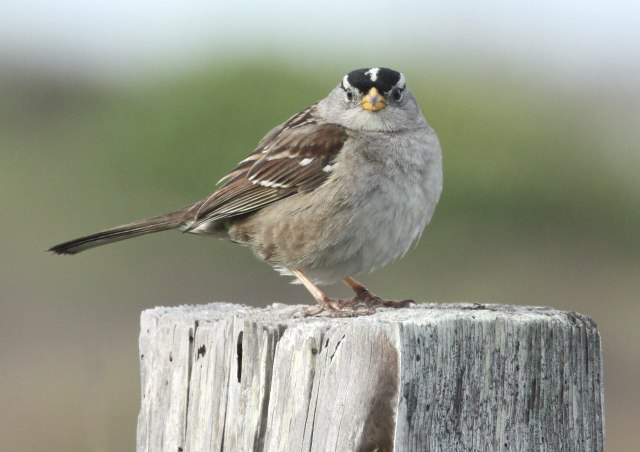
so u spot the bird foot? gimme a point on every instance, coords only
(364, 303)
(337, 308)
(366, 298)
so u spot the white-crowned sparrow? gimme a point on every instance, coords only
(343, 187)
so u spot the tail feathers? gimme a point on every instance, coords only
(147, 226)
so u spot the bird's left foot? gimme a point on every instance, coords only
(365, 299)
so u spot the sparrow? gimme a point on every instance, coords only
(343, 187)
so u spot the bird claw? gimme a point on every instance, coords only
(366, 298)
(341, 312)
(399, 303)
(364, 303)
(324, 305)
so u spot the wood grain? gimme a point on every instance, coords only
(437, 377)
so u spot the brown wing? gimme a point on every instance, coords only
(295, 157)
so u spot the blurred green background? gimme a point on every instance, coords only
(109, 115)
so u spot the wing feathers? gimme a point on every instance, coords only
(295, 157)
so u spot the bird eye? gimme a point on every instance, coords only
(397, 94)
(349, 95)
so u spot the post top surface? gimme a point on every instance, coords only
(420, 314)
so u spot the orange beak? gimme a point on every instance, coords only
(373, 101)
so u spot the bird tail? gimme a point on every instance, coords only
(164, 222)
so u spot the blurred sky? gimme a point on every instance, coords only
(119, 36)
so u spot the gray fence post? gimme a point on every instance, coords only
(437, 377)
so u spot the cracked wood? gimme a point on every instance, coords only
(435, 377)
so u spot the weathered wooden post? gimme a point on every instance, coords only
(430, 378)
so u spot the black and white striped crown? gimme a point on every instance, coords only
(381, 78)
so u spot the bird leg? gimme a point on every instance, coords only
(325, 304)
(363, 303)
(366, 298)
